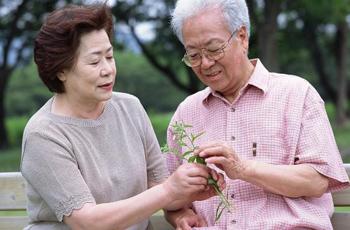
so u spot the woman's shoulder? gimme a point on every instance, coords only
(125, 101)
(40, 122)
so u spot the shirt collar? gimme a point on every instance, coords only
(260, 76)
(258, 79)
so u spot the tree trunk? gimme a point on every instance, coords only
(4, 76)
(267, 35)
(341, 60)
(310, 36)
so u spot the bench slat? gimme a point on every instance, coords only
(12, 195)
(13, 223)
(341, 221)
(342, 198)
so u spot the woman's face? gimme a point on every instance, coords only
(92, 77)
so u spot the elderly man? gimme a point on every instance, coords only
(268, 132)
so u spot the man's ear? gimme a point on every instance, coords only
(242, 36)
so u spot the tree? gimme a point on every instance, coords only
(327, 46)
(164, 52)
(19, 22)
(265, 24)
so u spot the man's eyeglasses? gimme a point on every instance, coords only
(194, 58)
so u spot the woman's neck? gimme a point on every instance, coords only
(63, 105)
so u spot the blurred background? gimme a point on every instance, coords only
(308, 38)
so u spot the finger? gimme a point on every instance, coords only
(209, 144)
(214, 174)
(221, 180)
(184, 225)
(195, 170)
(215, 151)
(217, 160)
(193, 181)
(202, 222)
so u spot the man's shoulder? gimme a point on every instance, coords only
(293, 86)
(288, 83)
(196, 99)
(288, 80)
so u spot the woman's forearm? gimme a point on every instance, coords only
(120, 214)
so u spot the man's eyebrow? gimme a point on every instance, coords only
(214, 40)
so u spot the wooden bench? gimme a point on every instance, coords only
(12, 198)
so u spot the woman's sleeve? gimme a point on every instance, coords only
(49, 167)
(156, 166)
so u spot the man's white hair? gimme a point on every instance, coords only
(235, 13)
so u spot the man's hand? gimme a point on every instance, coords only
(185, 219)
(223, 157)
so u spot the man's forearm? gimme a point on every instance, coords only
(286, 180)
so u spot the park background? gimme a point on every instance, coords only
(308, 38)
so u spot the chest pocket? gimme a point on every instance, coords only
(270, 149)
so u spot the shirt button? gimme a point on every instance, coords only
(233, 138)
(233, 109)
(233, 221)
(232, 195)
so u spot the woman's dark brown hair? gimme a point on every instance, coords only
(58, 40)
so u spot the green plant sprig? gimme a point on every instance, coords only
(185, 139)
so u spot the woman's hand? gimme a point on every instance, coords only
(187, 180)
(190, 183)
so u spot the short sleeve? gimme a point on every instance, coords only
(49, 167)
(317, 146)
(156, 166)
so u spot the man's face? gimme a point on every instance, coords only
(209, 30)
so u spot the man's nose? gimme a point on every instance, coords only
(206, 62)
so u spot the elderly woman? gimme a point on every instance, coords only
(90, 156)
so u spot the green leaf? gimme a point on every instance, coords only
(200, 160)
(186, 153)
(191, 159)
(198, 135)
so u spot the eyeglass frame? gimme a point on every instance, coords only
(204, 51)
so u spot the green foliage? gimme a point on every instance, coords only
(342, 136)
(136, 76)
(10, 160)
(160, 124)
(25, 93)
(15, 127)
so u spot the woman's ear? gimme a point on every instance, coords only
(62, 76)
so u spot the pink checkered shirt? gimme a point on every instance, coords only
(285, 117)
